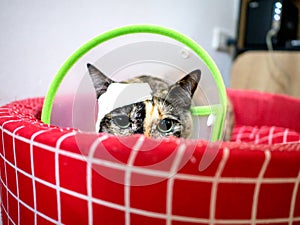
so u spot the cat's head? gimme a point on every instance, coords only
(167, 113)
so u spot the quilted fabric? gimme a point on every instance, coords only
(52, 175)
(254, 108)
(265, 135)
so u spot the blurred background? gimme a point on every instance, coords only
(38, 36)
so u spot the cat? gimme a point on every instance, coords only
(166, 114)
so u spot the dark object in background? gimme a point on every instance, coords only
(263, 15)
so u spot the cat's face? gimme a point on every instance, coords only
(154, 118)
(166, 114)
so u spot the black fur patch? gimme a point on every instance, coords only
(138, 115)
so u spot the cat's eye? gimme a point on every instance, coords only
(122, 121)
(165, 125)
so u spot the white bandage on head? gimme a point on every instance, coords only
(119, 95)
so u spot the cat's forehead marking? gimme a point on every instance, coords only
(119, 95)
(152, 115)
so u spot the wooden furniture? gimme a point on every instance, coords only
(275, 72)
(268, 71)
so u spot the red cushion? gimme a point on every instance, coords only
(265, 135)
(52, 175)
(254, 108)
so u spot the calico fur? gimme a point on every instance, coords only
(170, 104)
(169, 107)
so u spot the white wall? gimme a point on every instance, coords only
(37, 36)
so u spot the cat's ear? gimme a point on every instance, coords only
(181, 93)
(100, 81)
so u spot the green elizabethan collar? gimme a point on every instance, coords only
(219, 110)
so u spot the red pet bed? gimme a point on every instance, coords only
(52, 175)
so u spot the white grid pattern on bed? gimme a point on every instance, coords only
(169, 217)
